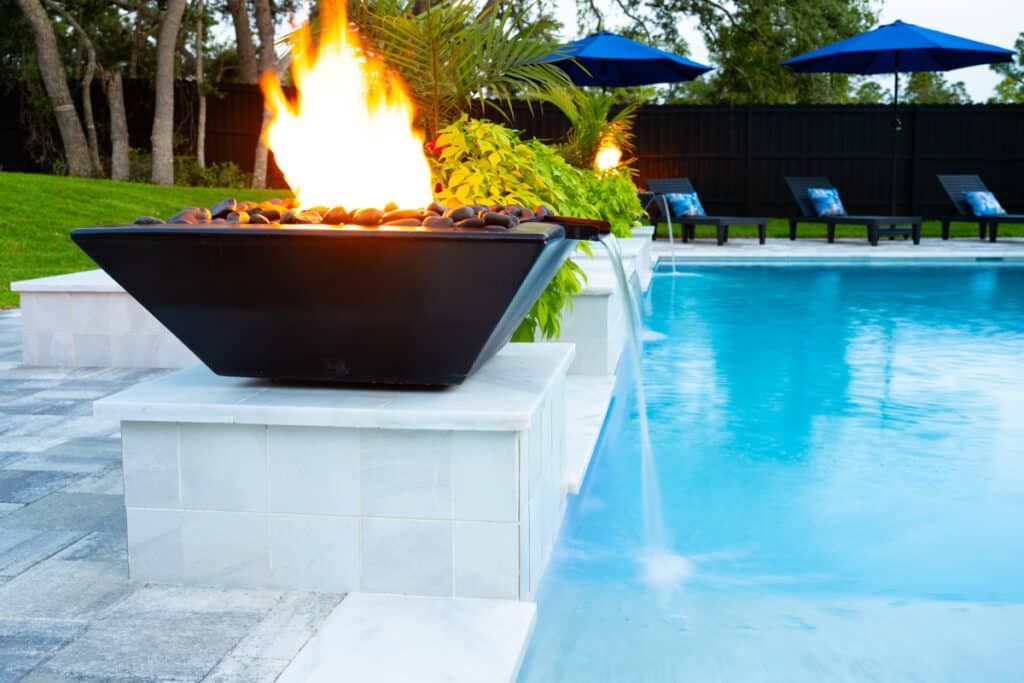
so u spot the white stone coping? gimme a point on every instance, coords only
(779, 250)
(600, 282)
(85, 281)
(400, 638)
(646, 231)
(502, 395)
(601, 278)
(631, 247)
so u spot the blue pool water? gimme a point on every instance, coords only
(840, 452)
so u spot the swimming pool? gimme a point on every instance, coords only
(840, 453)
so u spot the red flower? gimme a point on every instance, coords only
(434, 147)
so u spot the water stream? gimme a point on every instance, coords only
(658, 565)
(671, 236)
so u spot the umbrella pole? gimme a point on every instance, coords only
(897, 127)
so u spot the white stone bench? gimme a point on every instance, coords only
(87, 320)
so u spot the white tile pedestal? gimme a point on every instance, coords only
(87, 320)
(244, 483)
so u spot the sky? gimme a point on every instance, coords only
(990, 21)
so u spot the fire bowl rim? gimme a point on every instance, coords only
(529, 231)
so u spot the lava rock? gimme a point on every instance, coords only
(542, 212)
(272, 215)
(289, 203)
(497, 208)
(222, 208)
(437, 208)
(291, 217)
(336, 216)
(258, 219)
(526, 215)
(460, 214)
(473, 222)
(148, 220)
(218, 221)
(319, 209)
(191, 216)
(403, 222)
(499, 219)
(277, 201)
(390, 206)
(401, 214)
(238, 217)
(514, 210)
(438, 222)
(247, 206)
(367, 217)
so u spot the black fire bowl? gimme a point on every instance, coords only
(422, 307)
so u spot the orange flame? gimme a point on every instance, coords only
(348, 139)
(608, 155)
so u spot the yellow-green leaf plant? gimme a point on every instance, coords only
(479, 161)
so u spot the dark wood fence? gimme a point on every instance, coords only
(736, 156)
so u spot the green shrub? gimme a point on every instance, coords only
(224, 174)
(140, 165)
(479, 161)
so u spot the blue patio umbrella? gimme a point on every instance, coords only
(611, 61)
(897, 48)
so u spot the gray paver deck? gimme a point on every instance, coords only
(68, 611)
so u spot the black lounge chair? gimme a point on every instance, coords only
(876, 225)
(663, 186)
(955, 186)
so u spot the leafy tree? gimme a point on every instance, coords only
(931, 87)
(870, 92)
(748, 40)
(1011, 88)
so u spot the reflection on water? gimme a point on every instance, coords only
(841, 455)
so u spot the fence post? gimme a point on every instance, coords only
(913, 158)
(747, 170)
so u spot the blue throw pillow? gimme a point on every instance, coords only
(826, 201)
(984, 204)
(684, 204)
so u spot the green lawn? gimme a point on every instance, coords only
(779, 227)
(38, 211)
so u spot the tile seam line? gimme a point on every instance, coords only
(324, 515)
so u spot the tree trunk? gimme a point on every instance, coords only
(90, 121)
(138, 45)
(87, 75)
(268, 60)
(201, 123)
(119, 165)
(243, 38)
(76, 150)
(163, 116)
